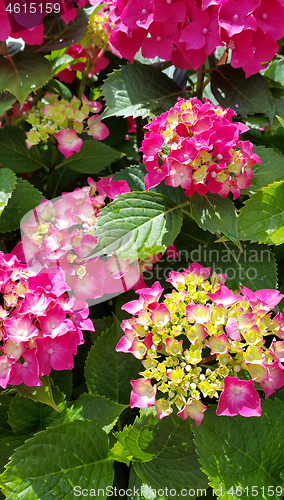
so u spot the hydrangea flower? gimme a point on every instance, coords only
(41, 327)
(196, 145)
(187, 32)
(203, 340)
(64, 120)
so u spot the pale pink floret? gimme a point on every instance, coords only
(94, 106)
(54, 323)
(232, 329)
(35, 304)
(68, 142)
(20, 328)
(239, 397)
(143, 394)
(264, 299)
(198, 313)
(219, 345)
(14, 350)
(96, 128)
(163, 408)
(5, 370)
(193, 409)
(161, 316)
(276, 378)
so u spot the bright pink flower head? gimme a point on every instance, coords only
(239, 397)
(68, 142)
(142, 394)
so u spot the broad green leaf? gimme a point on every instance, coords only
(262, 217)
(24, 198)
(139, 90)
(6, 101)
(58, 34)
(93, 157)
(280, 119)
(14, 153)
(215, 214)
(252, 265)
(42, 394)
(5, 428)
(55, 461)
(138, 224)
(24, 73)
(135, 175)
(26, 415)
(63, 379)
(59, 179)
(244, 452)
(119, 451)
(244, 95)
(176, 463)
(138, 437)
(7, 184)
(108, 372)
(98, 409)
(270, 170)
(144, 492)
(8, 444)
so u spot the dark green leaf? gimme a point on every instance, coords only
(176, 463)
(14, 153)
(108, 372)
(24, 198)
(244, 95)
(6, 101)
(98, 409)
(93, 157)
(7, 184)
(215, 214)
(139, 90)
(27, 416)
(243, 452)
(8, 444)
(138, 224)
(57, 87)
(270, 170)
(24, 73)
(57, 460)
(262, 217)
(58, 34)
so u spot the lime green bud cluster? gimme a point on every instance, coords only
(99, 30)
(52, 114)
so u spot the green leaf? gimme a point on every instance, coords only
(57, 87)
(42, 394)
(58, 34)
(5, 428)
(24, 73)
(26, 415)
(98, 409)
(138, 224)
(176, 463)
(244, 452)
(139, 438)
(139, 90)
(262, 217)
(108, 372)
(57, 460)
(63, 379)
(24, 198)
(144, 492)
(275, 71)
(93, 157)
(270, 170)
(6, 101)
(14, 153)
(245, 95)
(8, 445)
(119, 451)
(7, 184)
(216, 214)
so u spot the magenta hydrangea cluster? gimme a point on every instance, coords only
(59, 119)
(196, 145)
(62, 232)
(41, 326)
(203, 340)
(185, 33)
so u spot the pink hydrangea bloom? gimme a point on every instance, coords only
(196, 145)
(142, 394)
(68, 142)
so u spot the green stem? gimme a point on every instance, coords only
(84, 78)
(54, 155)
(200, 77)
